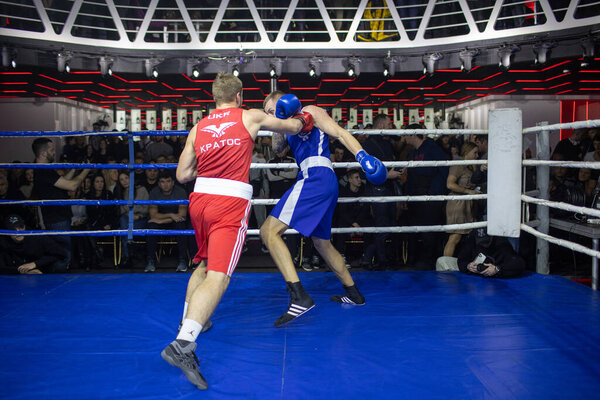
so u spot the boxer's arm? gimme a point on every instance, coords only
(186, 167)
(255, 120)
(324, 122)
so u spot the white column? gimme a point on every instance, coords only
(504, 172)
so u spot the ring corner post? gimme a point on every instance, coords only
(131, 185)
(543, 212)
(504, 172)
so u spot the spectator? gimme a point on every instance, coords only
(49, 185)
(117, 149)
(460, 211)
(27, 185)
(111, 176)
(7, 192)
(102, 153)
(260, 186)
(569, 149)
(338, 155)
(29, 254)
(594, 154)
(586, 184)
(151, 178)
(281, 180)
(157, 147)
(425, 181)
(167, 216)
(351, 214)
(499, 258)
(80, 245)
(384, 214)
(140, 214)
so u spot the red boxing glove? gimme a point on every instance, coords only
(307, 121)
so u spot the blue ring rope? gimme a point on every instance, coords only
(91, 202)
(90, 133)
(88, 166)
(118, 232)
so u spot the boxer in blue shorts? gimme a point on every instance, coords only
(308, 206)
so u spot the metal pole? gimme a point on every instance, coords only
(543, 180)
(131, 186)
(273, 84)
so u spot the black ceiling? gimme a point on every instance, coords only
(406, 89)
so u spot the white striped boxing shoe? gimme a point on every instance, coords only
(353, 296)
(300, 303)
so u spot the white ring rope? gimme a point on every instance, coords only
(562, 206)
(568, 164)
(561, 242)
(591, 123)
(254, 232)
(262, 202)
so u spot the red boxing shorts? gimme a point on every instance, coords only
(220, 223)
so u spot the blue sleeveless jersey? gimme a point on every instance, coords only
(308, 206)
(313, 143)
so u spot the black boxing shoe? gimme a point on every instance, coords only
(353, 296)
(181, 354)
(300, 303)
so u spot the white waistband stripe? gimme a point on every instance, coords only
(223, 187)
(315, 161)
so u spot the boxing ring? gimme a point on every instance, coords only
(421, 334)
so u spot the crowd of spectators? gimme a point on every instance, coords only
(369, 251)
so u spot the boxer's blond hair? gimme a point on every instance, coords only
(225, 87)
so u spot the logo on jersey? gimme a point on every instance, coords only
(304, 135)
(218, 131)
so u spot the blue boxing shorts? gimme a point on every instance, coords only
(308, 206)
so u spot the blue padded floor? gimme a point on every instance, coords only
(421, 335)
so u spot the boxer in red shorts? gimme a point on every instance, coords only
(217, 155)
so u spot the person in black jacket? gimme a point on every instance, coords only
(351, 214)
(490, 256)
(29, 254)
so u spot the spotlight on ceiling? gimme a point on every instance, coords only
(467, 56)
(62, 61)
(353, 69)
(389, 66)
(150, 67)
(430, 62)
(193, 67)
(8, 58)
(505, 54)
(235, 71)
(275, 67)
(105, 63)
(589, 50)
(314, 67)
(542, 51)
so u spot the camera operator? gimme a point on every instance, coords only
(21, 254)
(490, 256)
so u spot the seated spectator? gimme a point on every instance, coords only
(151, 178)
(140, 214)
(102, 153)
(594, 154)
(29, 254)
(7, 192)
(110, 177)
(167, 216)
(489, 256)
(99, 217)
(158, 147)
(586, 184)
(81, 246)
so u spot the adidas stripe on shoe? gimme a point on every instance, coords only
(347, 300)
(293, 312)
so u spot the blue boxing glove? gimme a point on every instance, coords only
(287, 106)
(374, 169)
